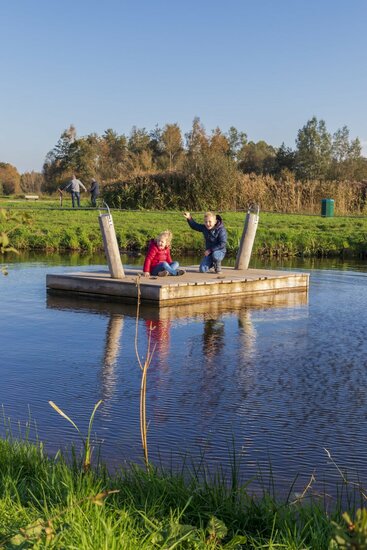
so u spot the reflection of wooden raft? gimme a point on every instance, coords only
(109, 306)
(189, 288)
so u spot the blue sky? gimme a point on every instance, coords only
(265, 67)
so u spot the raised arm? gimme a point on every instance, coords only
(193, 224)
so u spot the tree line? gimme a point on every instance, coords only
(161, 166)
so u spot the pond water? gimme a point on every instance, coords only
(279, 380)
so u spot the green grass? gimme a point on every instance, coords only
(46, 502)
(278, 235)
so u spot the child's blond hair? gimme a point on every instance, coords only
(209, 215)
(167, 235)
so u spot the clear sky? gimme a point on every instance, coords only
(263, 66)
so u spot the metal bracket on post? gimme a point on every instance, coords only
(106, 207)
(248, 237)
(110, 244)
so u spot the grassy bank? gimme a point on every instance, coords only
(277, 235)
(45, 502)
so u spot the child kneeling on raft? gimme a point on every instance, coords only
(215, 236)
(158, 261)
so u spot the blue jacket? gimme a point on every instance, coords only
(215, 238)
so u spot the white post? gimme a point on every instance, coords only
(248, 237)
(110, 246)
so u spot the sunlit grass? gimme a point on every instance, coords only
(278, 235)
(57, 502)
(46, 501)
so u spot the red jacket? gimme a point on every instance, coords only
(155, 256)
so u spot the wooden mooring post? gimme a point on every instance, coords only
(110, 245)
(248, 237)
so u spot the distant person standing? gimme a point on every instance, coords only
(74, 187)
(94, 192)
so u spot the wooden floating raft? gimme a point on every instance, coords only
(189, 288)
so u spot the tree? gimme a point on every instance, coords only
(84, 156)
(237, 140)
(257, 158)
(285, 159)
(139, 146)
(347, 161)
(139, 140)
(314, 149)
(172, 142)
(219, 142)
(31, 182)
(9, 179)
(196, 141)
(57, 163)
(340, 145)
(115, 161)
(212, 181)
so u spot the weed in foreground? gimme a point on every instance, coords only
(86, 442)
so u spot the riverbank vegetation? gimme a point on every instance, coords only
(164, 169)
(278, 235)
(47, 502)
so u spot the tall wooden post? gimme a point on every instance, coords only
(248, 237)
(110, 245)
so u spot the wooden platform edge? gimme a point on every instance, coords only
(161, 295)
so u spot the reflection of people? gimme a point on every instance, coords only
(159, 333)
(158, 260)
(74, 187)
(94, 192)
(215, 236)
(213, 337)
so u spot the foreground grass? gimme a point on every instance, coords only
(277, 235)
(45, 502)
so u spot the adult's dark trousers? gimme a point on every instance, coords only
(93, 199)
(75, 197)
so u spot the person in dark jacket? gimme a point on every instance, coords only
(215, 236)
(158, 260)
(94, 192)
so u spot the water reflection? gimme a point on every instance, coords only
(214, 308)
(247, 332)
(281, 377)
(158, 328)
(114, 330)
(213, 338)
(159, 332)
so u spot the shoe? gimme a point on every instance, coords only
(163, 273)
(218, 268)
(181, 272)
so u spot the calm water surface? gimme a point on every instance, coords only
(280, 379)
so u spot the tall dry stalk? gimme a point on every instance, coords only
(144, 371)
